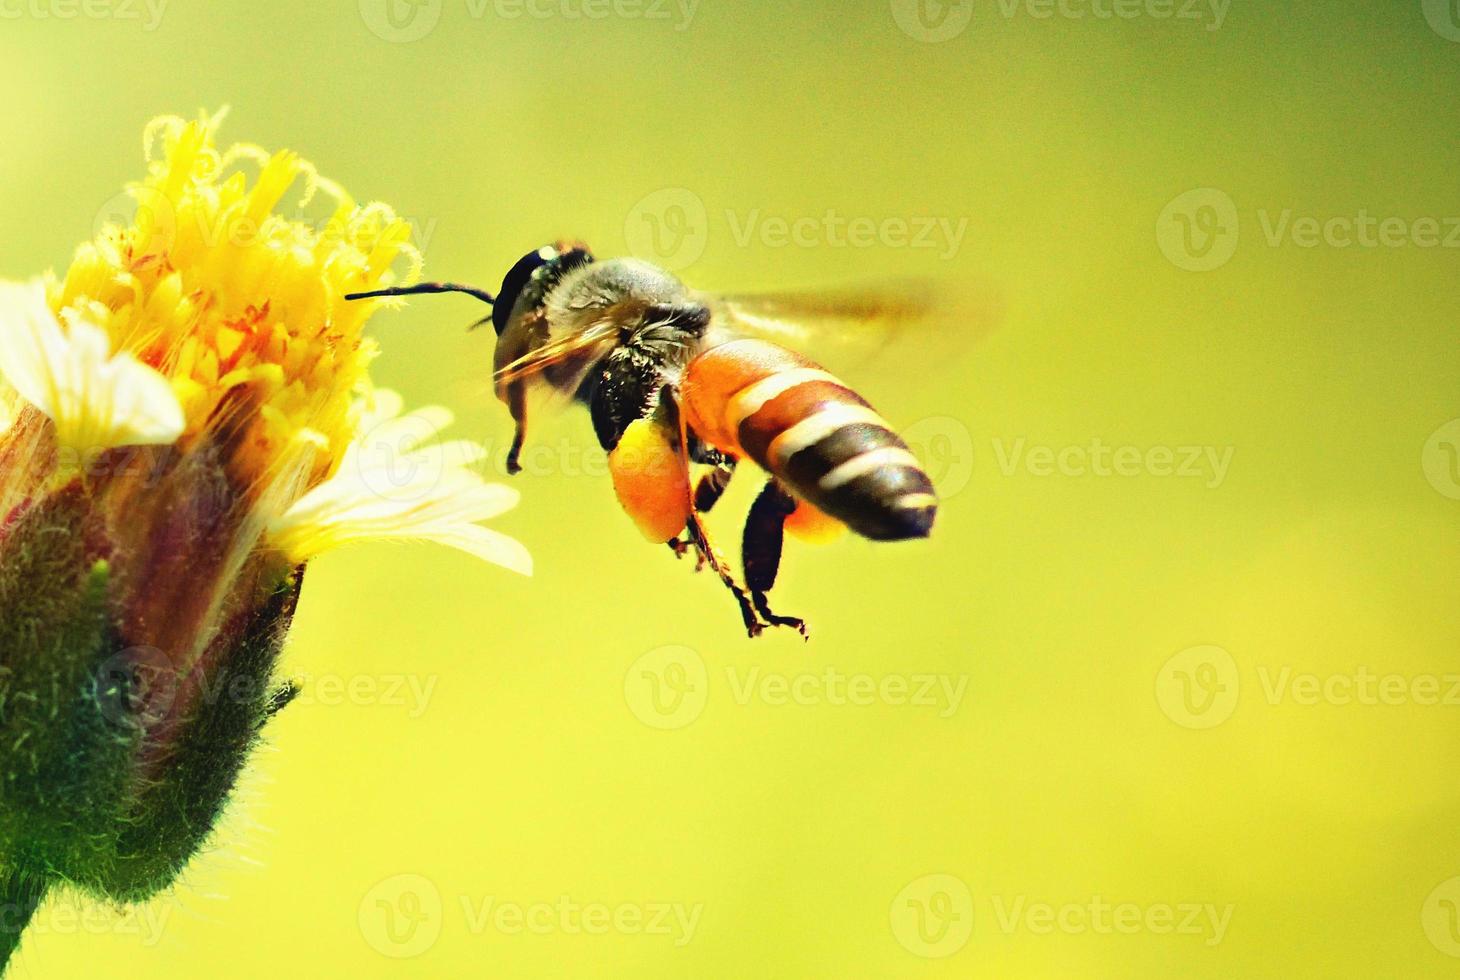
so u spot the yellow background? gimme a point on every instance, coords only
(1066, 772)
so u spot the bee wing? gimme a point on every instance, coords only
(577, 351)
(852, 323)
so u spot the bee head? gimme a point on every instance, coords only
(526, 283)
(534, 275)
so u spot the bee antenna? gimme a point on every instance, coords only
(426, 287)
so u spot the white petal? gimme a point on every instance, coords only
(97, 400)
(487, 545)
(393, 485)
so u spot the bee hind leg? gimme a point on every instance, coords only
(765, 534)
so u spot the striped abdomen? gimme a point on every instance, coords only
(820, 438)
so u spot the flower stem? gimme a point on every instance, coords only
(20, 895)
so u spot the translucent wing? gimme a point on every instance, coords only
(849, 324)
(561, 357)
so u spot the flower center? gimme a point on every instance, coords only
(238, 300)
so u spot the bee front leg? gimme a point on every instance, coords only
(517, 406)
(760, 550)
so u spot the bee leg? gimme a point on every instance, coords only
(696, 532)
(712, 485)
(765, 532)
(517, 405)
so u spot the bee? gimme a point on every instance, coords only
(674, 379)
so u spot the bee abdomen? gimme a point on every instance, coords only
(824, 441)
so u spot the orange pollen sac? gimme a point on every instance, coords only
(651, 480)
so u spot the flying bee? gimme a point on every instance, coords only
(673, 378)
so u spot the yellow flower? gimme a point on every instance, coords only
(186, 419)
(215, 322)
(231, 300)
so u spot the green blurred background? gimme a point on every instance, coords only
(638, 790)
